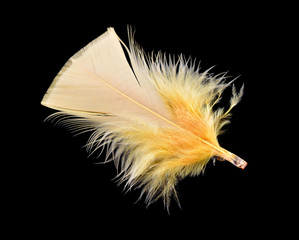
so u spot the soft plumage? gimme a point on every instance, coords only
(157, 117)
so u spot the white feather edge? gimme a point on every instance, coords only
(98, 79)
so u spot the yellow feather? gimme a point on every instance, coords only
(157, 118)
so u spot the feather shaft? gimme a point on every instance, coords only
(226, 154)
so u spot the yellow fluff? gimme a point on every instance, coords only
(156, 117)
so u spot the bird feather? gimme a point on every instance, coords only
(156, 117)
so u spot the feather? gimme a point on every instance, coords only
(157, 117)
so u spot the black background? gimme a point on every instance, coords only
(65, 190)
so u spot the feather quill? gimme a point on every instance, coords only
(156, 117)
